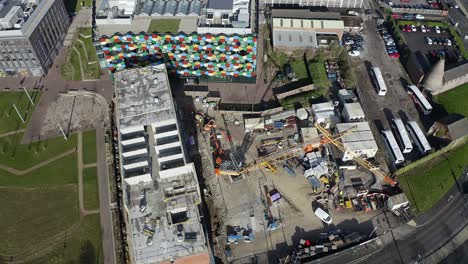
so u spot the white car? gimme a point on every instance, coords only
(413, 28)
(354, 53)
(455, 4)
(429, 41)
(324, 216)
(423, 29)
(448, 42)
(349, 42)
(419, 16)
(437, 29)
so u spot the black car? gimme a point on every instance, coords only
(356, 47)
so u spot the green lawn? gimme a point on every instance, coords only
(23, 156)
(71, 69)
(89, 147)
(299, 68)
(90, 188)
(454, 101)
(83, 246)
(164, 25)
(39, 208)
(30, 216)
(426, 184)
(9, 119)
(60, 172)
(75, 5)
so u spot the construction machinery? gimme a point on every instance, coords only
(280, 156)
(329, 139)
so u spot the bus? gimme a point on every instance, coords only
(419, 99)
(392, 145)
(379, 81)
(405, 140)
(418, 137)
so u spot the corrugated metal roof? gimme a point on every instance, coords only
(294, 38)
(195, 8)
(183, 8)
(333, 24)
(158, 9)
(147, 7)
(304, 14)
(171, 8)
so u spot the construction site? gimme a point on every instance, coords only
(277, 178)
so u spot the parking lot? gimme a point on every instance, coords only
(380, 110)
(417, 43)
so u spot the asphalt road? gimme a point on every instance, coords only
(108, 245)
(415, 246)
(412, 243)
(456, 16)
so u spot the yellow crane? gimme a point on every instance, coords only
(278, 156)
(364, 163)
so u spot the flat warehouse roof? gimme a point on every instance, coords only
(304, 14)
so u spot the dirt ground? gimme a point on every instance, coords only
(74, 112)
(243, 203)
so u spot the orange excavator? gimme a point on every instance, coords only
(218, 151)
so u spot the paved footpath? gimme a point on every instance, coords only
(108, 243)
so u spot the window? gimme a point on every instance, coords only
(225, 16)
(209, 16)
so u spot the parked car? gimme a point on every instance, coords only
(354, 53)
(448, 42)
(419, 16)
(357, 47)
(455, 4)
(407, 16)
(423, 29)
(395, 55)
(396, 16)
(322, 215)
(429, 41)
(413, 28)
(391, 49)
(390, 43)
(437, 29)
(349, 42)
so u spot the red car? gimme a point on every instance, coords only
(395, 55)
(396, 16)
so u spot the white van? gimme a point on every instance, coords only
(324, 216)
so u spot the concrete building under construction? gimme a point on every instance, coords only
(161, 193)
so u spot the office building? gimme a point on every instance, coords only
(161, 193)
(31, 35)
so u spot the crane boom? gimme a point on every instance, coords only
(364, 163)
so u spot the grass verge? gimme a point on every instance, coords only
(89, 147)
(83, 246)
(31, 216)
(9, 119)
(90, 188)
(164, 25)
(454, 101)
(23, 156)
(427, 183)
(75, 5)
(60, 172)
